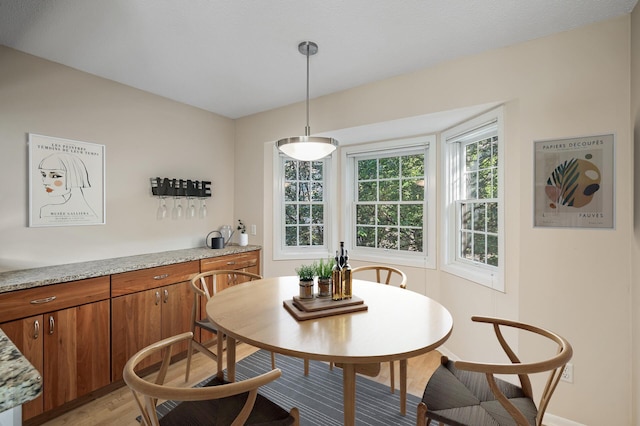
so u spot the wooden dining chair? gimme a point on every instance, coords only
(216, 403)
(468, 393)
(383, 275)
(205, 285)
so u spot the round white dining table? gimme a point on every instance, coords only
(398, 324)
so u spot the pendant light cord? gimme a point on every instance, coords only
(307, 129)
(307, 147)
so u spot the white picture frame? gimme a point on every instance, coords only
(574, 182)
(66, 182)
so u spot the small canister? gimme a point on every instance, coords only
(306, 289)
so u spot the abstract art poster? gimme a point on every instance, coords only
(574, 184)
(66, 182)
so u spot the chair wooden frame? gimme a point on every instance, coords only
(389, 270)
(202, 290)
(384, 274)
(147, 393)
(553, 366)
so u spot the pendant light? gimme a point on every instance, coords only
(307, 148)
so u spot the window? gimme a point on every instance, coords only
(302, 217)
(473, 166)
(389, 202)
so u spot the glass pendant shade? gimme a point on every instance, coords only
(307, 148)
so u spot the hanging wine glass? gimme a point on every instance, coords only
(191, 210)
(203, 209)
(161, 213)
(176, 212)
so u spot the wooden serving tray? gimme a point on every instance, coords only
(302, 315)
(323, 303)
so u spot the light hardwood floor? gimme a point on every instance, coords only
(119, 407)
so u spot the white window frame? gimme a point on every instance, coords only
(282, 252)
(425, 259)
(486, 275)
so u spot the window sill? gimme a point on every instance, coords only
(477, 274)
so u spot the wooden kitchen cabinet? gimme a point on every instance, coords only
(67, 342)
(247, 262)
(26, 334)
(147, 306)
(80, 334)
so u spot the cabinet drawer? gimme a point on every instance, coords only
(231, 261)
(145, 279)
(35, 301)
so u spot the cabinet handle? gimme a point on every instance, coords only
(41, 301)
(36, 330)
(166, 295)
(231, 262)
(160, 277)
(157, 297)
(52, 324)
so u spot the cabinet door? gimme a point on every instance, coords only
(136, 323)
(26, 334)
(246, 262)
(76, 348)
(177, 301)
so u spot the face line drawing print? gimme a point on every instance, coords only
(64, 177)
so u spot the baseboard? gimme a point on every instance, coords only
(446, 352)
(549, 419)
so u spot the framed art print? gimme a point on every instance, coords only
(574, 184)
(66, 182)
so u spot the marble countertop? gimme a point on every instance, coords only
(36, 277)
(20, 382)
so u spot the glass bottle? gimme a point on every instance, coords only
(347, 288)
(336, 280)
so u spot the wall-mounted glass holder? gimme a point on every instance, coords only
(181, 188)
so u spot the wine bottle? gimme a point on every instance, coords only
(347, 287)
(336, 280)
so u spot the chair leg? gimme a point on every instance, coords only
(306, 367)
(421, 419)
(273, 361)
(331, 366)
(189, 353)
(296, 416)
(392, 375)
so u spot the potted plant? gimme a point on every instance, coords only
(323, 271)
(244, 237)
(306, 274)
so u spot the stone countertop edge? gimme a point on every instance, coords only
(20, 382)
(46, 275)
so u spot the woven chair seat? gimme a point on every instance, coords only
(223, 411)
(457, 397)
(207, 325)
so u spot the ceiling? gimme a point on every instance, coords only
(239, 57)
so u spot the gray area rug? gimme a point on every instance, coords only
(318, 396)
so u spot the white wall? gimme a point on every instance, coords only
(576, 282)
(635, 250)
(145, 136)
